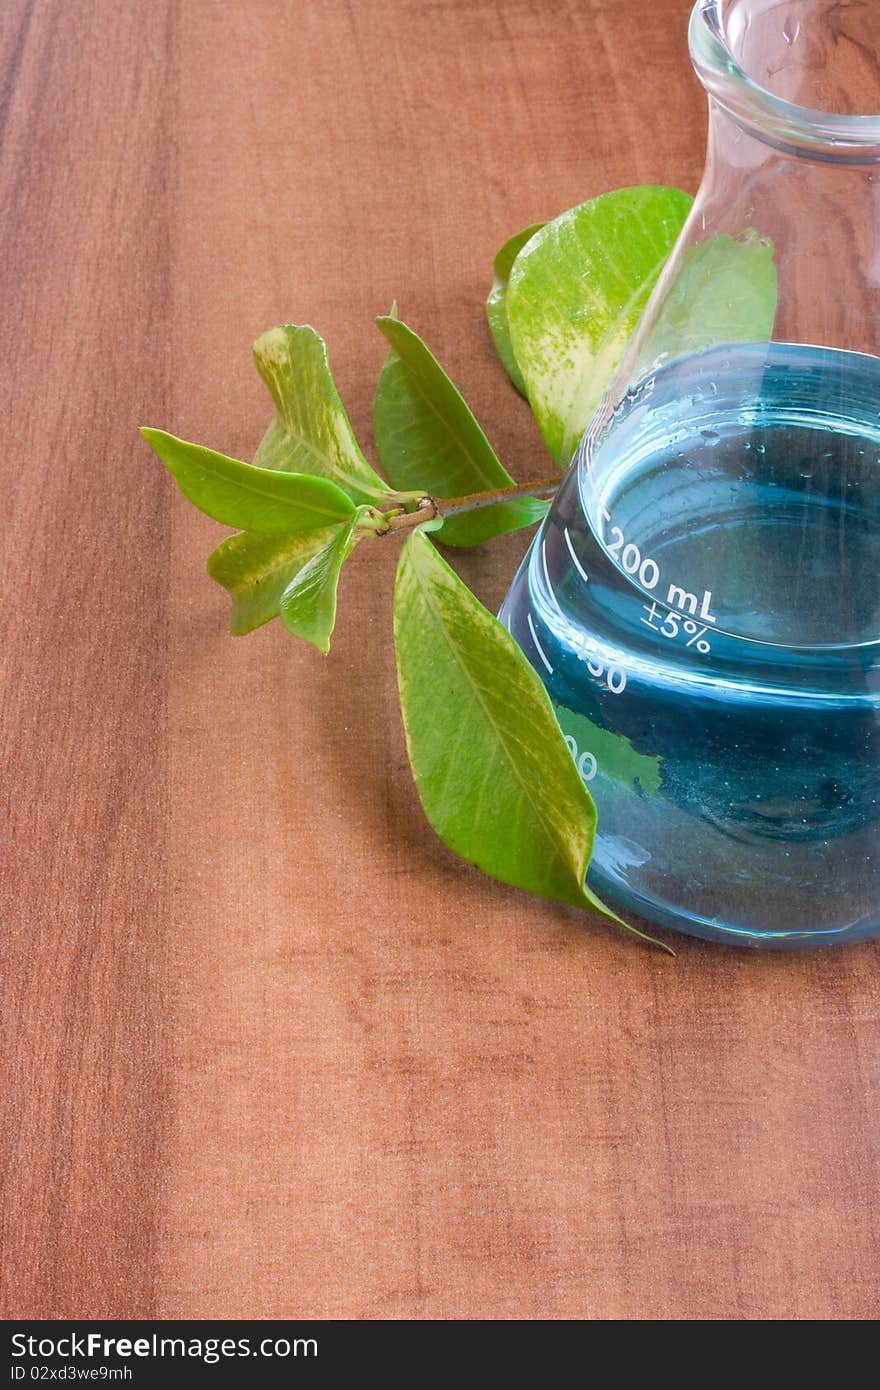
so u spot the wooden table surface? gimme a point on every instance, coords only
(272, 1050)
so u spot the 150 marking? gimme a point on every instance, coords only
(585, 648)
(614, 676)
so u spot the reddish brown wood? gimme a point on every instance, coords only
(271, 1050)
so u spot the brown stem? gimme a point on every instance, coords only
(453, 506)
(402, 521)
(431, 507)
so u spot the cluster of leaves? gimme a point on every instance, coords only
(493, 771)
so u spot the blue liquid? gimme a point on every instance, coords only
(703, 605)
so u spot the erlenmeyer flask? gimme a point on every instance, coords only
(702, 601)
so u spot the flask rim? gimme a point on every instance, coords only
(795, 129)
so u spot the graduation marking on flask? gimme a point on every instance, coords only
(574, 559)
(538, 647)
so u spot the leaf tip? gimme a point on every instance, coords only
(319, 640)
(158, 441)
(271, 346)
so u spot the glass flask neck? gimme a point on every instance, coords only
(799, 75)
(783, 241)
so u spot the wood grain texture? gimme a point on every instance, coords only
(271, 1050)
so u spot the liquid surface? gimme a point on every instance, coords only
(703, 606)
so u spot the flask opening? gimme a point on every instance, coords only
(801, 75)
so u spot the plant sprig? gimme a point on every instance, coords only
(493, 771)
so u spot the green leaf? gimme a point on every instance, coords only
(493, 771)
(256, 567)
(253, 499)
(721, 291)
(576, 292)
(310, 432)
(428, 439)
(496, 304)
(308, 604)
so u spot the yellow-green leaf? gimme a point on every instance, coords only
(492, 768)
(308, 604)
(311, 432)
(256, 567)
(496, 304)
(577, 289)
(253, 499)
(428, 439)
